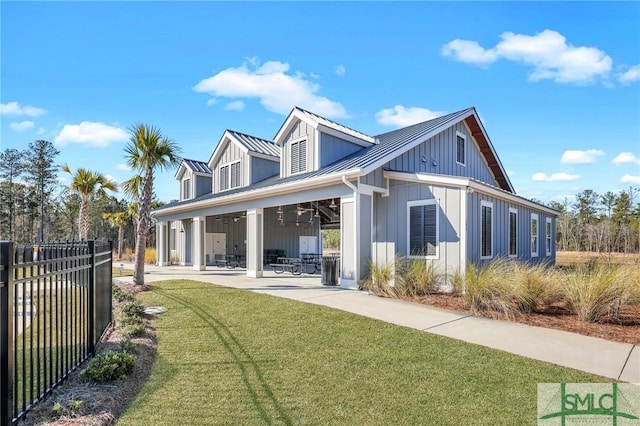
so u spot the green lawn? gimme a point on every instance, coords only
(229, 356)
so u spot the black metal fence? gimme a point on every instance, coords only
(55, 303)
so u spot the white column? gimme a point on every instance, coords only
(349, 250)
(162, 243)
(255, 223)
(197, 251)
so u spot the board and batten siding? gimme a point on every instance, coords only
(365, 235)
(437, 155)
(375, 178)
(262, 168)
(390, 223)
(298, 131)
(203, 185)
(230, 154)
(500, 225)
(333, 149)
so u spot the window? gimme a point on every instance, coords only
(513, 232)
(534, 235)
(224, 178)
(235, 174)
(460, 151)
(486, 230)
(549, 236)
(230, 176)
(186, 189)
(299, 156)
(422, 234)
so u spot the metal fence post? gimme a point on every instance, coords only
(6, 333)
(91, 331)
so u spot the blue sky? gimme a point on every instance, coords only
(557, 85)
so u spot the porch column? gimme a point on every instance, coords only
(162, 243)
(349, 249)
(255, 223)
(197, 252)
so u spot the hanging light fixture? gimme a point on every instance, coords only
(333, 204)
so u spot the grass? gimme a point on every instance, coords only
(573, 258)
(229, 356)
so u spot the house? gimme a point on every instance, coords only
(435, 191)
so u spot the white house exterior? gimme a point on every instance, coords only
(434, 191)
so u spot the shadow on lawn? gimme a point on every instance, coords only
(247, 367)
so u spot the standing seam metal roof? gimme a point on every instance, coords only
(257, 145)
(197, 166)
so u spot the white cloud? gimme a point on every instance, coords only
(235, 106)
(212, 101)
(626, 157)
(123, 167)
(627, 178)
(277, 91)
(581, 157)
(14, 108)
(547, 52)
(40, 131)
(111, 178)
(402, 116)
(468, 51)
(21, 126)
(556, 177)
(91, 134)
(631, 75)
(340, 70)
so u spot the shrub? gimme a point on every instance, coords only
(134, 330)
(416, 278)
(594, 291)
(150, 255)
(379, 280)
(535, 285)
(109, 366)
(128, 346)
(491, 287)
(119, 295)
(134, 308)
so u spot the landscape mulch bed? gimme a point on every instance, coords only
(102, 403)
(625, 329)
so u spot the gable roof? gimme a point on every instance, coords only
(194, 165)
(388, 146)
(325, 125)
(251, 145)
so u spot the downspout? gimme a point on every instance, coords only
(349, 184)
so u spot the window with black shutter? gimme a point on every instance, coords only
(298, 157)
(513, 233)
(423, 230)
(486, 230)
(460, 157)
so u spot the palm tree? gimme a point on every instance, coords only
(148, 150)
(119, 219)
(88, 184)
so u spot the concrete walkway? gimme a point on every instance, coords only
(620, 361)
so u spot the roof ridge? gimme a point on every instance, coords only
(423, 122)
(251, 136)
(332, 121)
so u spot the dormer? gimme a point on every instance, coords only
(195, 179)
(241, 160)
(309, 142)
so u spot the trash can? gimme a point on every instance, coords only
(329, 270)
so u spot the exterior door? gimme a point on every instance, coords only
(308, 245)
(216, 244)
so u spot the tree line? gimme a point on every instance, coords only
(593, 222)
(36, 207)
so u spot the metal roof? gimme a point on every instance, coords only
(257, 145)
(337, 126)
(197, 166)
(388, 146)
